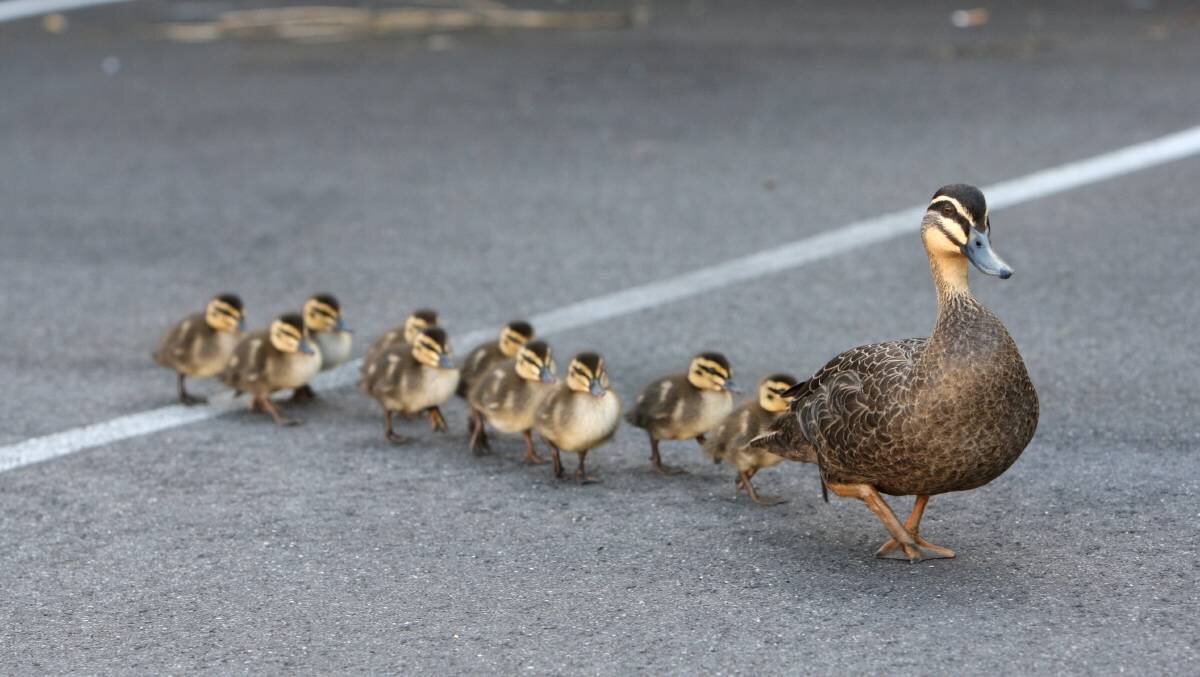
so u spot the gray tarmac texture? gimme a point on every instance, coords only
(514, 173)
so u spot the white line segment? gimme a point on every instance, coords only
(785, 257)
(13, 10)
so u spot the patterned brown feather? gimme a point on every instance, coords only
(917, 416)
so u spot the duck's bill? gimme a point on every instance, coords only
(444, 362)
(306, 347)
(979, 252)
(596, 387)
(241, 324)
(341, 325)
(545, 376)
(733, 387)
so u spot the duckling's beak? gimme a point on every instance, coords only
(444, 361)
(545, 376)
(306, 347)
(596, 387)
(340, 325)
(733, 387)
(241, 324)
(978, 251)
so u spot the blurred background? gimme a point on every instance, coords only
(499, 159)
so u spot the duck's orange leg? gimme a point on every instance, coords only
(913, 525)
(914, 550)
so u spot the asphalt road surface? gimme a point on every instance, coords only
(494, 175)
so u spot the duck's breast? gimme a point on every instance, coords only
(967, 427)
(335, 347)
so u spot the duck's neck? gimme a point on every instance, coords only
(950, 278)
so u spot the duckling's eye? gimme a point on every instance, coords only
(947, 209)
(579, 372)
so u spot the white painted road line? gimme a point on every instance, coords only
(13, 10)
(785, 257)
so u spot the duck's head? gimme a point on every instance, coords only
(711, 371)
(418, 320)
(514, 335)
(322, 312)
(225, 313)
(287, 335)
(587, 374)
(535, 363)
(771, 392)
(431, 347)
(956, 224)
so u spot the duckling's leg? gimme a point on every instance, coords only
(186, 398)
(744, 483)
(436, 420)
(479, 438)
(389, 433)
(556, 460)
(303, 394)
(912, 525)
(581, 475)
(531, 455)
(913, 551)
(656, 460)
(265, 404)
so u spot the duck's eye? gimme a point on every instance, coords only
(948, 210)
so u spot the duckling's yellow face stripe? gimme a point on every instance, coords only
(707, 374)
(428, 351)
(413, 326)
(511, 342)
(222, 316)
(580, 376)
(530, 364)
(320, 316)
(770, 395)
(285, 337)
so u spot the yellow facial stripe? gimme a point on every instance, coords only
(315, 306)
(958, 207)
(225, 308)
(704, 364)
(286, 330)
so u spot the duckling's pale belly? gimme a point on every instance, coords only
(713, 408)
(292, 370)
(335, 347)
(515, 411)
(589, 421)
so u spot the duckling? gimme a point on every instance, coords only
(396, 336)
(921, 416)
(267, 361)
(580, 414)
(731, 441)
(200, 344)
(327, 329)
(415, 378)
(508, 397)
(684, 406)
(487, 355)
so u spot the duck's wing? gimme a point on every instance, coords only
(657, 401)
(849, 403)
(177, 347)
(248, 365)
(476, 365)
